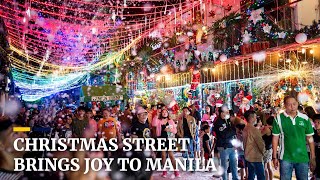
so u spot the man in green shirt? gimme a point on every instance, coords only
(294, 130)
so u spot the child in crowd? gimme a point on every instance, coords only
(201, 134)
(240, 150)
(206, 143)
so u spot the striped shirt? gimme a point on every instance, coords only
(10, 175)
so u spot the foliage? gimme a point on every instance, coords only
(224, 28)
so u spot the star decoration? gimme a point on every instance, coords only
(267, 28)
(282, 35)
(246, 37)
(256, 15)
(228, 8)
(212, 14)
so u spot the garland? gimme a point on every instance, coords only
(259, 28)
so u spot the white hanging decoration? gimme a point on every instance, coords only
(301, 38)
(267, 29)
(147, 7)
(246, 37)
(256, 15)
(282, 35)
(197, 52)
(190, 33)
(113, 16)
(223, 58)
(259, 56)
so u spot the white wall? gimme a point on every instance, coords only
(306, 12)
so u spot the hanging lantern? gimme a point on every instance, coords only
(297, 88)
(301, 38)
(285, 88)
(223, 58)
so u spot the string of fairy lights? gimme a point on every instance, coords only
(56, 44)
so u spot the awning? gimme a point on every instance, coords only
(101, 93)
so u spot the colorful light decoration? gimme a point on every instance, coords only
(56, 45)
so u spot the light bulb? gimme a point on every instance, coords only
(311, 51)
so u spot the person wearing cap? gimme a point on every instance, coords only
(316, 138)
(140, 127)
(7, 152)
(225, 132)
(80, 122)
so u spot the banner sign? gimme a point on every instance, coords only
(107, 98)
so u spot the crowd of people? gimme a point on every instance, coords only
(251, 146)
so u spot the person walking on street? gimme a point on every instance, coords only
(225, 133)
(254, 147)
(294, 130)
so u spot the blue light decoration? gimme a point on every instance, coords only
(285, 88)
(297, 88)
(33, 88)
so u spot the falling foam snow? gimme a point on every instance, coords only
(147, 7)
(118, 176)
(12, 107)
(259, 56)
(129, 154)
(102, 174)
(147, 153)
(303, 98)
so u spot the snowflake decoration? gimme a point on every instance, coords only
(267, 29)
(282, 35)
(256, 15)
(212, 14)
(246, 37)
